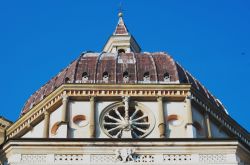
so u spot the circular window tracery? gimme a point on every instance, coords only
(136, 122)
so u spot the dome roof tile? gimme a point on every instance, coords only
(134, 64)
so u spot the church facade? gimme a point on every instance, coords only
(124, 106)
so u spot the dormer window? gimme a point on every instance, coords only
(105, 77)
(146, 77)
(85, 77)
(166, 77)
(125, 76)
(67, 80)
(31, 105)
(121, 51)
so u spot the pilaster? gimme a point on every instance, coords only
(46, 124)
(63, 126)
(65, 100)
(190, 129)
(92, 130)
(207, 121)
(161, 122)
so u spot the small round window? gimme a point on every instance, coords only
(80, 120)
(174, 120)
(55, 128)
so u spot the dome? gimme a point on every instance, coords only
(121, 62)
(121, 68)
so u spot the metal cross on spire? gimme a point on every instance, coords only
(120, 10)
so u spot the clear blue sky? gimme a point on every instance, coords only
(210, 38)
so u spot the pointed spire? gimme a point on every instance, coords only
(121, 40)
(121, 28)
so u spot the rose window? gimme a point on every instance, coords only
(132, 122)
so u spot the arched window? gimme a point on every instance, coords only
(146, 76)
(85, 77)
(121, 51)
(31, 105)
(166, 77)
(125, 76)
(67, 80)
(105, 76)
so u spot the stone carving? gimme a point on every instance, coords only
(124, 155)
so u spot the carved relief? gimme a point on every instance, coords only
(124, 155)
(144, 158)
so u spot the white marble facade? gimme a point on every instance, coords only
(175, 127)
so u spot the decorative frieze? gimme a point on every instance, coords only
(122, 156)
(212, 158)
(173, 93)
(177, 158)
(32, 158)
(107, 158)
(71, 158)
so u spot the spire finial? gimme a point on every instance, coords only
(121, 40)
(120, 13)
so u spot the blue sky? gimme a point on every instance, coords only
(210, 38)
